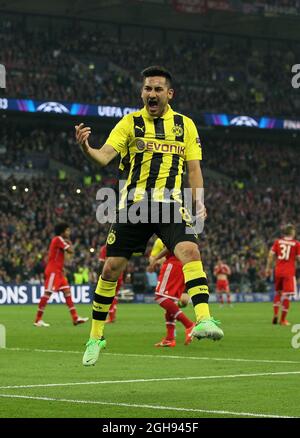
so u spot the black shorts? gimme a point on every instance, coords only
(126, 238)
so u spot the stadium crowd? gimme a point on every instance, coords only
(74, 64)
(30, 148)
(245, 210)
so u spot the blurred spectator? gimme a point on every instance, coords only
(241, 76)
(242, 219)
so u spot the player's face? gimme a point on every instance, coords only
(67, 233)
(156, 95)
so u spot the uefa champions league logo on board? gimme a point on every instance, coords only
(52, 107)
(244, 121)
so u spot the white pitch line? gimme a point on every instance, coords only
(227, 359)
(157, 407)
(162, 379)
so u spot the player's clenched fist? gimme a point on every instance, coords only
(82, 134)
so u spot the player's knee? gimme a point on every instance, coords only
(187, 252)
(112, 269)
(184, 300)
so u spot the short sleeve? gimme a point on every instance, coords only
(193, 144)
(275, 247)
(118, 137)
(61, 243)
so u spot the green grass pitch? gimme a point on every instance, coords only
(252, 372)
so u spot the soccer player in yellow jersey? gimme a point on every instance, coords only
(157, 142)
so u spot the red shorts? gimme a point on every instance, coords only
(171, 280)
(222, 286)
(286, 285)
(55, 281)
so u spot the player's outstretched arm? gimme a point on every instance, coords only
(101, 156)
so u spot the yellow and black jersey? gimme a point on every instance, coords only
(157, 248)
(155, 150)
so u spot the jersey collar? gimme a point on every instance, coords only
(168, 115)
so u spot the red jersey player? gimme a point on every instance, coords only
(169, 294)
(222, 271)
(286, 250)
(55, 281)
(113, 308)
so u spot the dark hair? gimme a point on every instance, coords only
(288, 229)
(156, 70)
(60, 228)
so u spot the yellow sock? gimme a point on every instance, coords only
(197, 288)
(103, 297)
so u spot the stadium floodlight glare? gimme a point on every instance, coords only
(78, 191)
(231, 78)
(14, 188)
(26, 189)
(92, 249)
(91, 66)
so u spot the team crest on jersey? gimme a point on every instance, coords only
(140, 145)
(177, 130)
(111, 238)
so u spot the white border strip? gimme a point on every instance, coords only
(156, 407)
